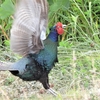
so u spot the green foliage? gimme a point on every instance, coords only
(81, 16)
(7, 43)
(66, 44)
(9, 81)
(6, 9)
(56, 7)
(58, 4)
(77, 75)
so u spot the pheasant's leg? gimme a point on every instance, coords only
(50, 89)
(45, 81)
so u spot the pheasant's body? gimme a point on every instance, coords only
(37, 66)
(27, 35)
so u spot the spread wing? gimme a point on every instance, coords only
(29, 26)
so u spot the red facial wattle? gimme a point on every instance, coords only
(59, 28)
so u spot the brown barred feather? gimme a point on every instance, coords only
(29, 26)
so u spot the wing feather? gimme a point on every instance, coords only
(29, 26)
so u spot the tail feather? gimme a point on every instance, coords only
(4, 66)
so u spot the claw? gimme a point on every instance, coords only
(52, 92)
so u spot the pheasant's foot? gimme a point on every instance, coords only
(52, 91)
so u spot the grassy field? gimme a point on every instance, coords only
(75, 77)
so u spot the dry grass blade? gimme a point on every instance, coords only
(4, 95)
(5, 34)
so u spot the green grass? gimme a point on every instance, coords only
(75, 77)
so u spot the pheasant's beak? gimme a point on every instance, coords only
(64, 26)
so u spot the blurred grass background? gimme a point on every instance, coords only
(77, 75)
